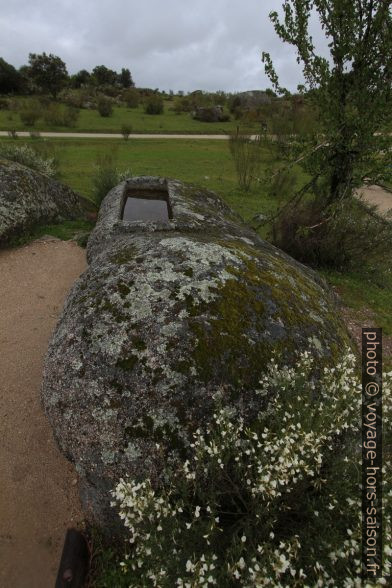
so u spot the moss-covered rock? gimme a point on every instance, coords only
(167, 316)
(28, 199)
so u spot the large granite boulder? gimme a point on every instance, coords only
(168, 314)
(28, 198)
(210, 114)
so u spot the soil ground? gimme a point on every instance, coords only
(378, 196)
(39, 495)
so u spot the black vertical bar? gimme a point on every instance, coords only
(74, 561)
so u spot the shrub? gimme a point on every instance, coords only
(74, 98)
(282, 184)
(274, 503)
(106, 176)
(53, 115)
(29, 157)
(126, 130)
(30, 112)
(348, 235)
(58, 115)
(13, 134)
(70, 116)
(182, 104)
(246, 153)
(4, 104)
(104, 106)
(154, 105)
(131, 97)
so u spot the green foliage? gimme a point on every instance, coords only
(125, 78)
(351, 89)
(126, 130)
(66, 230)
(104, 106)
(58, 115)
(106, 176)
(347, 235)
(368, 295)
(90, 120)
(30, 112)
(246, 504)
(74, 98)
(246, 153)
(29, 157)
(70, 116)
(53, 115)
(104, 76)
(282, 184)
(82, 78)
(10, 79)
(48, 72)
(154, 105)
(105, 569)
(131, 98)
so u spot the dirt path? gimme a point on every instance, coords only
(377, 195)
(38, 488)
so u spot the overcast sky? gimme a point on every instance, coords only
(167, 44)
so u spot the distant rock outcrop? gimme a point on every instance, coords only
(168, 315)
(253, 98)
(28, 199)
(210, 114)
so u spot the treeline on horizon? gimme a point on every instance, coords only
(46, 77)
(48, 73)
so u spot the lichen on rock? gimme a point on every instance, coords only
(166, 316)
(28, 199)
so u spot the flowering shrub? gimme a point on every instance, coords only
(273, 503)
(27, 156)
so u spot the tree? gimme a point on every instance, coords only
(125, 78)
(104, 76)
(82, 78)
(351, 88)
(48, 72)
(10, 79)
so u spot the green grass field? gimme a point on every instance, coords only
(208, 164)
(90, 121)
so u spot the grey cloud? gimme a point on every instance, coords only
(170, 44)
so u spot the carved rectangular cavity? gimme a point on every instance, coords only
(146, 205)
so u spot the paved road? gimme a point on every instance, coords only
(116, 136)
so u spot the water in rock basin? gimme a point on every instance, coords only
(146, 205)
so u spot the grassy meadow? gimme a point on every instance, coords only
(207, 163)
(90, 121)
